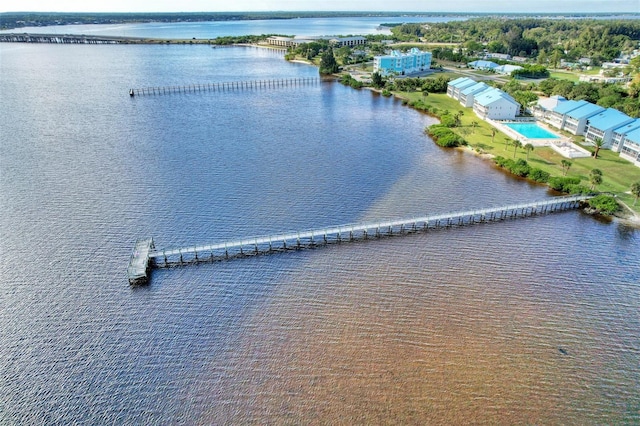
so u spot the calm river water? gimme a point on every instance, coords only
(532, 321)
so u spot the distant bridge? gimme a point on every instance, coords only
(146, 256)
(66, 39)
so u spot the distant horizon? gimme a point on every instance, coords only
(383, 6)
(385, 12)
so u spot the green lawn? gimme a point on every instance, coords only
(618, 174)
(572, 75)
(561, 75)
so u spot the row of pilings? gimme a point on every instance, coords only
(293, 241)
(225, 86)
(58, 39)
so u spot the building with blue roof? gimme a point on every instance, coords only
(558, 115)
(456, 86)
(402, 63)
(576, 120)
(619, 134)
(602, 125)
(507, 69)
(631, 147)
(495, 104)
(468, 94)
(483, 65)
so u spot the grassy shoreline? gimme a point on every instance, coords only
(618, 173)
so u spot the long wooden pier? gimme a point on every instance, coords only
(226, 86)
(253, 246)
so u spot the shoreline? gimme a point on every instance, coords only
(626, 215)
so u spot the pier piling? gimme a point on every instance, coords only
(226, 86)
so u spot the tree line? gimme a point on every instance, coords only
(570, 39)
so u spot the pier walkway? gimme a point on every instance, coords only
(345, 233)
(226, 86)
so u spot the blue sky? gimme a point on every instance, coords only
(508, 6)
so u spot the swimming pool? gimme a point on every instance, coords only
(531, 131)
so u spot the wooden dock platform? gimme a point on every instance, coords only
(334, 235)
(139, 263)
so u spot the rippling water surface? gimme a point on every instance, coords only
(528, 321)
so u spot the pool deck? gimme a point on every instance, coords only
(501, 125)
(562, 144)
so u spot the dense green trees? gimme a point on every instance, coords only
(569, 185)
(328, 64)
(227, 40)
(604, 204)
(377, 81)
(521, 168)
(347, 80)
(436, 85)
(603, 94)
(531, 71)
(444, 136)
(568, 39)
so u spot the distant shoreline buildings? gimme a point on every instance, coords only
(297, 41)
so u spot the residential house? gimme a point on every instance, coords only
(507, 69)
(603, 124)
(483, 65)
(503, 56)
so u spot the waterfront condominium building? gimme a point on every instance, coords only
(456, 86)
(631, 147)
(402, 63)
(621, 132)
(494, 104)
(603, 125)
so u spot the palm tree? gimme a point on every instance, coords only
(597, 144)
(507, 142)
(474, 124)
(595, 177)
(566, 165)
(635, 190)
(528, 147)
(493, 133)
(516, 144)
